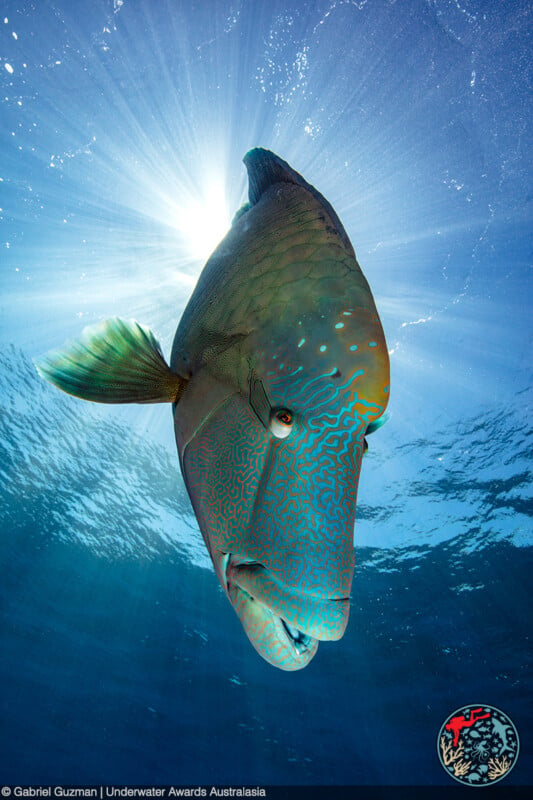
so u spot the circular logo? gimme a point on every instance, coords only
(478, 745)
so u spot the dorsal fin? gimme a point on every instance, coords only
(265, 169)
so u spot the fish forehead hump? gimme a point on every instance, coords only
(285, 253)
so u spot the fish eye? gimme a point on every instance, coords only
(365, 446)
(281, 420)
(284, 416)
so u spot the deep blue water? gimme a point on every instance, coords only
(123, 125)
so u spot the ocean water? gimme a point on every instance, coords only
(123, 126)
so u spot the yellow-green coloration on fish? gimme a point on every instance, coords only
(279, 368)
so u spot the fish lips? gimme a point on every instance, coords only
(324, 620)
(284, 625)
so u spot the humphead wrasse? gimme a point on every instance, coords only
(279, 369)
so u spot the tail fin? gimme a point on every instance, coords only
(115, 361)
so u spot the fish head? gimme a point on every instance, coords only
(272, 470)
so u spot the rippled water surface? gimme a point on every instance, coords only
(123, 126)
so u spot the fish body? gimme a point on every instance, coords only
(279, 368)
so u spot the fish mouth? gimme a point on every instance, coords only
(299, 640)
(284, 625)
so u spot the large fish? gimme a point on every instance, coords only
(279, 369)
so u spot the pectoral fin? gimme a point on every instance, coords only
(377, 423)
(259, 400)
(116, 361)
